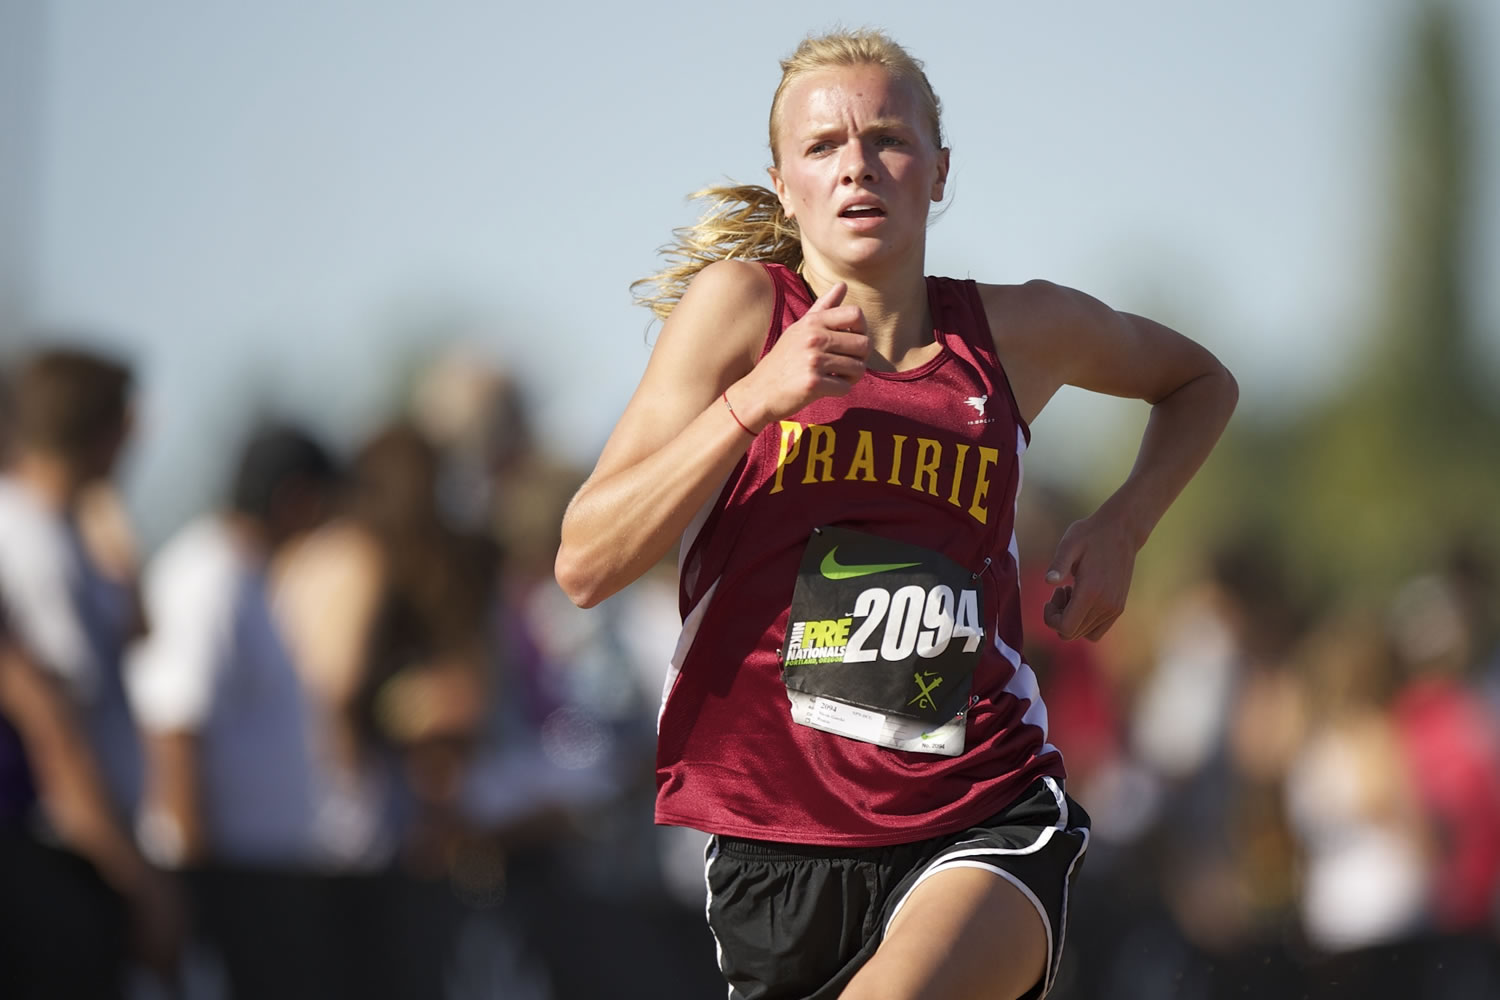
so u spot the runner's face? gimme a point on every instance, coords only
(858, 169)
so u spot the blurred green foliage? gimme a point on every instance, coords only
(1402, 463)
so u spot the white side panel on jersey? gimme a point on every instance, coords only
(695, 526)
(690, 626)
(1023, 685)
(694, 619)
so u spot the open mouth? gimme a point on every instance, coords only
(862, 212)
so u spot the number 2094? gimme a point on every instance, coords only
(916, 620)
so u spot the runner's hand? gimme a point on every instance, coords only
(1098, 556)
(822, 354)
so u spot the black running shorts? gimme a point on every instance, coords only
(796, 922)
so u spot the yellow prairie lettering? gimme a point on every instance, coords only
(820, 452)
(791, 444)
(864, 458)
(840, 632)
(987, 458)
(897, 440)
(958, 474)
(929, 454)
(813, 636)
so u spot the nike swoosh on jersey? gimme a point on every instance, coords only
(832, 569)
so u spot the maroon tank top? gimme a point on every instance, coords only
(928, 457)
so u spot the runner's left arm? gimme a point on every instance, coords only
(1049, 336)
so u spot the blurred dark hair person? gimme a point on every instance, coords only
(69, 751)
(386, 608)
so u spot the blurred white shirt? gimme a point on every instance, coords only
(75, 621)
(1365, 878)
(215, 665)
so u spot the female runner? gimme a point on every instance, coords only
(835, 440)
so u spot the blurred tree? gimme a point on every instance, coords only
(1378, 481)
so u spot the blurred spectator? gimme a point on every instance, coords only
(386, 609)
(63, 928)
(545, 746)
(231, 776)
(1241, 617)
(389, 608)
(72, 418)
(69, 759)
(1222, 841)
(473, 413)
(493, 477)
(1471, 570)
(563, 775)
(1366, 858)
(1451, 743)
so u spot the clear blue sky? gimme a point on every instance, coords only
(280, 196)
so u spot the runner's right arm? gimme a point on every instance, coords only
(677, 441)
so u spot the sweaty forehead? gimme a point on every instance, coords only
(851, 95)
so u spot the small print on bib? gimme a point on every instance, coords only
(882, 641)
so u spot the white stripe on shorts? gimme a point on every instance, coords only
(1063, 934)
(965, 859)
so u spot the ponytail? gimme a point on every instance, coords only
(742, 222)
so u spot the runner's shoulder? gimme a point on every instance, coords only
(732, 284)
(1036, 305)
(729, 303)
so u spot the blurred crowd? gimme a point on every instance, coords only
(1294, 794)
(342, 736)
(339, 735)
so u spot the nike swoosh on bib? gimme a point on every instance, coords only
(832, 569)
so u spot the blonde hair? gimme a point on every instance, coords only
(746, 221)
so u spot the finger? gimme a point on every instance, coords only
(832, 385)
(851, 318)
(1052, 614)
(1064, 561)
(852, 345)
(830, 298)
(1062, 597)
(850, 369)
(1080, 615)
(1053, 619)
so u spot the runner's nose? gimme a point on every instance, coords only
(857, 163)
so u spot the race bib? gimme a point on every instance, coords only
(882, 641)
